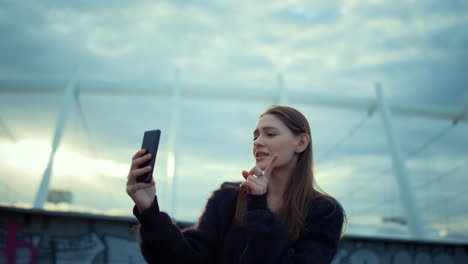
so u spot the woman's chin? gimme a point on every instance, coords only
(261, 164)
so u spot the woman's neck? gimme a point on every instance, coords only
(278, 182)
(276, 187)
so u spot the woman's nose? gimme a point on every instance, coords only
(258, 142)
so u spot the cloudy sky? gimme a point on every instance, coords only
(417, 51)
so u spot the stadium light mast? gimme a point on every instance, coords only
(406, 196)
(67, 104)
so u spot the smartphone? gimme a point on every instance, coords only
(150, 143)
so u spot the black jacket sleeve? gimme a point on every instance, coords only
(269, 242)
(163, 242)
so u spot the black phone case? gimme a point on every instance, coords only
(150, 143)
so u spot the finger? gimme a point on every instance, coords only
(271, 165)
(141, 185)
(253, 181)
(249, 185)
(136, 163)
(255, 171)
(139, 153)
(133, 188)
(245, 174)
(243, 186)
(257, 180)
(137, 172)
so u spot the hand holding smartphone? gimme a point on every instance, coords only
(150, 143)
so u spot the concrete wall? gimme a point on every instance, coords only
(34, 236)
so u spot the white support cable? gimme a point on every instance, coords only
(447, 199)
(437, 203)
(418, 150)
(366, 182)
(108, 191)
(84, 123)
(379, 204)
(418, 187)
(439, 177)
(350, 134)
(464, 113)
(430, 141)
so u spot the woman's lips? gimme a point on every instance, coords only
(261, 156)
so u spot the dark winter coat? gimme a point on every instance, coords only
(262, 238)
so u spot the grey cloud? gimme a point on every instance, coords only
(407, 10)
(300, 15)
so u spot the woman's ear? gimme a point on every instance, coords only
(303, 142)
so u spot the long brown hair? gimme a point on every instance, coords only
(301, 187)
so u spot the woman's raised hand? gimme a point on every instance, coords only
(256, 180)
(141, 193)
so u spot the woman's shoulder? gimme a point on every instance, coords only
(230, 185)
(324, 221)
(226, 191)
(326, 207)
(225, 197)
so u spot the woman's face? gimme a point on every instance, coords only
(272, 136)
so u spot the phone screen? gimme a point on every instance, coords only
(150, 143)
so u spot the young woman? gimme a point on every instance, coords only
(277, 215)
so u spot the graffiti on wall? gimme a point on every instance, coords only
(67, 250)
(122, 250)
(368, 254)
(20, 246)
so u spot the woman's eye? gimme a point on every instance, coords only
(268, 135)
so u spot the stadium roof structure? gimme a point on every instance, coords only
(80, 82)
